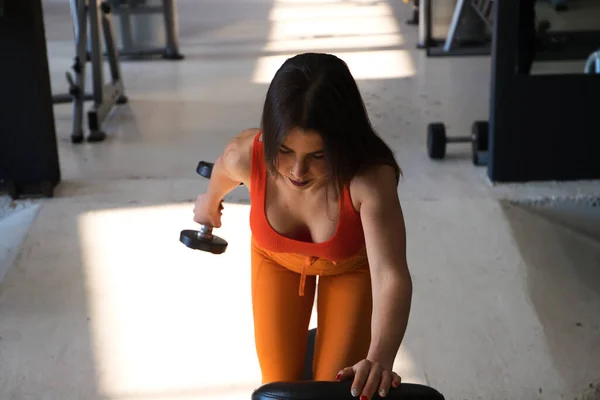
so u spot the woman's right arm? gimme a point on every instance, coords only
(231, 168)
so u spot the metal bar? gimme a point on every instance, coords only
(138, 10)
(75, 18)
(111, 48)
(81, 7)
(171, 28)
(97, 70)
(458, 11)
(482, 11)
(424, 24)
(63, 98)
(98, 113)
(459, 139)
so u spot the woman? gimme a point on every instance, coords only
(324, 201)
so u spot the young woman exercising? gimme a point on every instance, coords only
(324, 201)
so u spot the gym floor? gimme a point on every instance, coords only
(99, 300)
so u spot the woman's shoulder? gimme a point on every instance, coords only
(373, 183)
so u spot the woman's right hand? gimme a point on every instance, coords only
(206, 212)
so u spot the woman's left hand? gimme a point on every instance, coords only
(369, 377)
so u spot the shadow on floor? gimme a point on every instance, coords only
(563, 286)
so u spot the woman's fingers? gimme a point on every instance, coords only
(386, 381)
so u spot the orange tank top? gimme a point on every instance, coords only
(346, 242)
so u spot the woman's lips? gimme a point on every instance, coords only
(298, 183)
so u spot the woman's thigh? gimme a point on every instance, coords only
(281, 318)
(344, 308)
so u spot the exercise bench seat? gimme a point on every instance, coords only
(325, 390)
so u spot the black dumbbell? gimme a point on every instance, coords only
(205, 168)
(203, 239)
(437, 140)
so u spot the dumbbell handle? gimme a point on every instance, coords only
(205, 232)
(459, 139)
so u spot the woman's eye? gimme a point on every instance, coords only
(318, 156)
(284, 151)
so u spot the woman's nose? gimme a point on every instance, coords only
(300, 168)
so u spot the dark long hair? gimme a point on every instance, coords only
(317, 92)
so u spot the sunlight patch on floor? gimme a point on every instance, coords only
(365, 35)
(165, 318)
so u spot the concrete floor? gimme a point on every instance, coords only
(100, 301)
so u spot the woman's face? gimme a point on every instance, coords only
(301, 160)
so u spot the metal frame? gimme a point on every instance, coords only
(125, 12)
(448, 48)
(535, 135)
(592, 65)
(105, 95)
(425, 39)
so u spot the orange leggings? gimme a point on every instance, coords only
(282, 314)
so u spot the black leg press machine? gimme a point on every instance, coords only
(306, 389)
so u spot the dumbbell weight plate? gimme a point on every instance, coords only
(193, 240)
(436, 140)
(205, 169)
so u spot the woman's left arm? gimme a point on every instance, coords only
(385, 236)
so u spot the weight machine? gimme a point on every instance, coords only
(592, 65)
(476, 15)
(105, 95)
(128, 10)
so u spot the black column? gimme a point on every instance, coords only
(28, 149)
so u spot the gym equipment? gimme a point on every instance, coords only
(415, 14)
(592, 65)
(437, 141)
(472, 17)
(105, 95)
(128, 10)
(325, 390)
(203, 239)
(29, 161)
(205, 169)
(424, 40)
